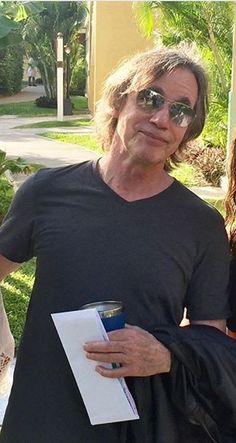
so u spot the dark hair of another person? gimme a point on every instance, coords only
(134, 75)
(230, 199)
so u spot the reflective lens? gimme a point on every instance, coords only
(180, 113)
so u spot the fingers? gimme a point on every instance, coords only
(113, 373)
(104, 346)
(108, 358)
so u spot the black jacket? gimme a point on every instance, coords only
(196, 401)
(203, 378)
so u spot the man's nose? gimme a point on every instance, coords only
(161, 117)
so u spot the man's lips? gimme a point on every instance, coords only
(154, 135)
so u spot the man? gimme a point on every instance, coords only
(119, 228)
(31, 72)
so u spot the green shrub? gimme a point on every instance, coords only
(6, 194)
(46, 102)
(209, 160)
(188, 175)
(11, 69)
(78, 79)
(215, 130)
(18, 165)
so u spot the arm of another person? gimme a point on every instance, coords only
(7, 266)
(6, 338)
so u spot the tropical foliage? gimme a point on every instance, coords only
(34, 26)
(6, 195)
(11, 68)
(208, 26)
(18, 165)
(40, 36)
(12, 18)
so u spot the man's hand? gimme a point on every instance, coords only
(139, 353)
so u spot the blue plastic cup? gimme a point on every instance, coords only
(110, 312)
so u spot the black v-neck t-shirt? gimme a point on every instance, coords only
(157, 255)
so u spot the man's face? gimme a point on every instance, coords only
(150, 137)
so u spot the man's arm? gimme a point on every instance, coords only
(7, 266)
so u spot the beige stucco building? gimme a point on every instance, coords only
(113, 35)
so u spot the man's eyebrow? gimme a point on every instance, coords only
(157, 89)
(184, 100)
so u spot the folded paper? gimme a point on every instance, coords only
(106, 400)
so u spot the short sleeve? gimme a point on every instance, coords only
(231, 322)
(207, 297)
(16, 231)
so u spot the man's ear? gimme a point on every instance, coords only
(112, 111)
(116, 112)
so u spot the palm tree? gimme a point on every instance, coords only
(40, 33)
(207, 25)
(13, 16)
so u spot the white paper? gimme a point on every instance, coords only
(106, 400)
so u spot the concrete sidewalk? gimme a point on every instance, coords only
(29, 93)
(28, 144)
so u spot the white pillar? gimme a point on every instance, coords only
(60, 80)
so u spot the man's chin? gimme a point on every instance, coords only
(149, 160)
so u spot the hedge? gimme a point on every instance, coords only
(11, 69)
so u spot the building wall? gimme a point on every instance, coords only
(114, 35)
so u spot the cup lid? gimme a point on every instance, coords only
(108, 308)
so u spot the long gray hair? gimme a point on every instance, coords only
(135, 74)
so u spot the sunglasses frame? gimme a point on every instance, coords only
(142, 103)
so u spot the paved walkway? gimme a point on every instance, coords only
(27, 94)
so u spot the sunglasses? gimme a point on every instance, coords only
(180, 113)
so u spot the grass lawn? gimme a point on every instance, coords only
(29, 109)
(87, 141)
(57, 124)
(16, 290)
